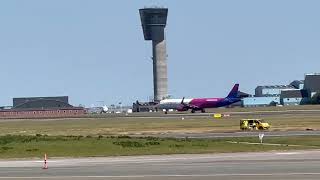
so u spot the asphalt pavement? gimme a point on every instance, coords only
(267, 165)
(265, 113)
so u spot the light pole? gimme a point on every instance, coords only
(112, 106)
(120, 106)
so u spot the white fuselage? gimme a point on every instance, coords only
(172, 103)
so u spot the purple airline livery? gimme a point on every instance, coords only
(199, 104)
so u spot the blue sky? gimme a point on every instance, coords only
(94, 50)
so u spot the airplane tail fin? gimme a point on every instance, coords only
(234, 92)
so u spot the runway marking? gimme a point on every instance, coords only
(161, 175)
(288, 153)
(271, 144)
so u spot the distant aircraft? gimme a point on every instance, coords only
(105, 109)
(98, 110)
(199, 104)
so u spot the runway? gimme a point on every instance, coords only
(268, 165)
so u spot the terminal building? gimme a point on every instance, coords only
(41, 107)
(298, 92)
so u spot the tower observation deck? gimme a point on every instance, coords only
(153, 22)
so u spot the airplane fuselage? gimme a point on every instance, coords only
(196, 103)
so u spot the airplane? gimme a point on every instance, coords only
(199, 104)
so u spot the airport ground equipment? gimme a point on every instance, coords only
(253, 124)
(217, 115)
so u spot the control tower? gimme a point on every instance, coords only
(153, 22)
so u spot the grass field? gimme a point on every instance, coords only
(79, 146)
(112, 125)
(149, 126)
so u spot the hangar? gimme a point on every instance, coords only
(41, 102)
(42, 107)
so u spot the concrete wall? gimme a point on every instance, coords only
(160, 75)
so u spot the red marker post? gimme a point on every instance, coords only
(45, 166)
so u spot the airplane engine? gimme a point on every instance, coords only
(182, 108)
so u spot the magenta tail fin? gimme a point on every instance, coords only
(234, 92)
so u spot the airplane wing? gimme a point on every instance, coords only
(188, 106)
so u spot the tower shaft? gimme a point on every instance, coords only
(160, 77)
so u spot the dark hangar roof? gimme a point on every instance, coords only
(41, 102)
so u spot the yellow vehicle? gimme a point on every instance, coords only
(253, 124)
(217, 115)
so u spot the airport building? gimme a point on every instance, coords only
(42, 107)
(154, 21)
(260, 101)
(266, 95)
(294, 97)
(271, 91)
(41, 102)
(312, 83)
(298, 84)
(297, 93)
(144, 106)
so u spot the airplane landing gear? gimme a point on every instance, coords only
(203, 111)
(193, 111)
